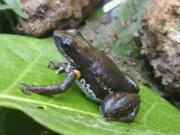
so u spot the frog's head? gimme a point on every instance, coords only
(66, 44)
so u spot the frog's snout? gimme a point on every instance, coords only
(120, 106)
(57, 33)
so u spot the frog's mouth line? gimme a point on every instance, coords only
(68, 59)
(71, 61)
(60, 49)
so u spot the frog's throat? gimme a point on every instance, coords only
(68, 59)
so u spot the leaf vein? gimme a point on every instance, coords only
(22, 74)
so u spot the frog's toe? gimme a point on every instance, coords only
(120, 106)
(60, 70)
(25, 89)
(52, 64)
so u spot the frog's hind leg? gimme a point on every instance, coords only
(120, 106)
(52, 89)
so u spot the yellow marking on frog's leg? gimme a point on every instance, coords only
(78, 74)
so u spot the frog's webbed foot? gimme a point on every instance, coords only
(120, 106)
(54, 88)
(59, 67)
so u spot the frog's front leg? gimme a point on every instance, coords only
(59, 67)
(53, 89)
(120, 106)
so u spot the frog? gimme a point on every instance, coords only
(95, 73)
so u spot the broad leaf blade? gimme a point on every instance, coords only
(25, 59)
(4, 7)
(16, 6)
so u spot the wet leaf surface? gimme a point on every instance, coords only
(25, 59)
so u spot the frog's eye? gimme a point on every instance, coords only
(67, 44)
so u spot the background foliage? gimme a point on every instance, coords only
(14, 5)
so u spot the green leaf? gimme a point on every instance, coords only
(15, 5)
(70, 113)
(4, 7)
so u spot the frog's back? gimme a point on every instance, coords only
(99, 74)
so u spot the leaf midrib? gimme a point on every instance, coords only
(46, 104)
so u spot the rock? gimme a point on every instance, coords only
(160, 43)
(47, 15)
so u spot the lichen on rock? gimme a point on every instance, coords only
(160, 39)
